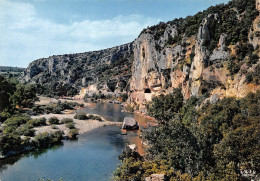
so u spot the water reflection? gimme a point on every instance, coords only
(94, 156)
(111, 112)
(5, 163)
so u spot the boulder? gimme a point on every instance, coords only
(155, 177)
(132, 147)
(130, 124)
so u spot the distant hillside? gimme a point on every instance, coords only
(11, 69)
(107, 69)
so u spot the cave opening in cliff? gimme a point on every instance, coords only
(204, 91)
(147, 91)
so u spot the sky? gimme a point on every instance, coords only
(33, 29)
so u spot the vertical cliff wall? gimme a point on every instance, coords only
(214, 53)
(209, 58)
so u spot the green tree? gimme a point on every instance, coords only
(164, 107)
(174, 142)
(24, 96)
(6, 90)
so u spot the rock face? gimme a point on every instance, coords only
(197, 54)
(84, 69)
(130, 124)
(159, 67)
(194, 63)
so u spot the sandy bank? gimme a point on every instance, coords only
(47, 100)
(82, 125)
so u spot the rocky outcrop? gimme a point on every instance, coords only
(157, 72)
(201, 55)
(190, 63)
(219, 53)
(84, 69)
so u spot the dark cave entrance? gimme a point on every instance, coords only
(204, 91)
(147, 91)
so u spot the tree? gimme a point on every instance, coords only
(174, 142)
(24, 96)
(164, 107)
(240, 146)
(6, 90)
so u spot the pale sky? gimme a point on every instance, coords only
(32, 29)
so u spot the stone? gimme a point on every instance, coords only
(155, 177)
(132, 147)
(219, 53)
(130, 124)
(214, 98)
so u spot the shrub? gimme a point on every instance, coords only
(233, 67)
(80, 116)
(16, 121)
(66, 120)
(94, 117)
(48, 139)
(111, 84)
(73, 133)
(37, 122)
(26, 130)
(164, 107)
(124, 97)
(48, 109)
(57, 110)
(70, 125)
(38, 109)
(54, 120)
(4, 115)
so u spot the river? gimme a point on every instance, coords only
(92, 157)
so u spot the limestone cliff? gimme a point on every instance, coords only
(213, 53)
(101, 68)
(199, 63)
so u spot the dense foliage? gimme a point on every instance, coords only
(235, 20)
(53, 89)
(55, 108)
(164, 108)
(54, 120)
(204, 141)
(17, 132)
(6, 90)
(14, 94)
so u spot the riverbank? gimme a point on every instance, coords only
(99, 115)
(47, 100)
(39, 130)
(83, 126)
(95, 144)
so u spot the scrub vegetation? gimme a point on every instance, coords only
(197, 141)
